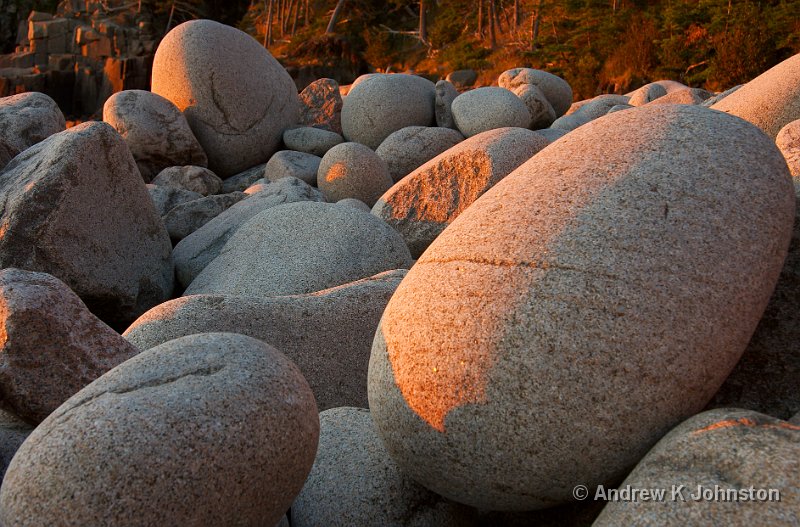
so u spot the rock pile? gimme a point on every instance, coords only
(402, 306)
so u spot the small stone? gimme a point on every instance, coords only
(302, 248)
(191, 178)
(483, 109)
(646, 94)
(408, 149)
(351, 170)
(315, 141)
(462, 78)
(166, 198)
(321, 106)
(446, 93)
(155, 130)
(288, 163)
(686, 96)
(210, 429)
(355, 482)
(542, 113)
(241, 181)
(589, 111)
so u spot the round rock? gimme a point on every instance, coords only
(594, 288)
(210, 429)
(557, 91)
(156, 131)
(483, 109)
(314, 141)
(302, 248)
(355, 482)
(410, 148)
(351, 170)
(237, 98)
(383, 103)
(191, 178)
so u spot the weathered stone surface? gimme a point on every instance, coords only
(625, 280)
(619, 108)
(29, 118)
(591, 110)
(446, 93)
(327, 334)
(685, 96)
(156, 131)
(241, 181)
(310, 140)
(542, 113)
(191, 178)
(765, 378)
(788, 141)
(195, 251)
(408, 149)
(13, 432)
(52, 345)
(462, 78)
(182, 220)
(321, 106)
(671, 85)
(552, 134)
(423, 204)
(210, 429)
(355, 203)
(483, 109)
(237, 98)
(771, 100)
(355, 482)
(646, 94)
(7, 153)
(711, 101)
(382, 104)
(166, 198)
(351, 170)
(302, 248)
(556, 89)
(729, 453)
(288, 163)
(75, 206)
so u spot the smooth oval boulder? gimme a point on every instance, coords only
(771, 100)
(351, 170)
(328, 334)
(237, 98)
(310, 140)
(52, 346)
(210, 429)
(156, 131)
(288, 163)
(408, 149)
(646, 94)
(384, 103)
(196, 250)
(595, 288)
(723, 467)
(557, 91)
(74, 206)
(355, 482)
(29, 118)
(588, 111)
(484, 109)
(425, 202)
(302, 248)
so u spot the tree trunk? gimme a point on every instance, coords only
(535, 25)
(517, 14)
(305, 22)
(480, 18)
(492, 32)
(169, 20)
(335, 16)
(268, 35)
(423, 22)
(296, 16)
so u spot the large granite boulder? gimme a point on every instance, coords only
(328, 334)
(484, 109)
(302, 248)
(156, 131)
(584, 306)
(210, 429)
(52, 345)
(426, 201)
(75, 206)
(382, 103)
(237, 98)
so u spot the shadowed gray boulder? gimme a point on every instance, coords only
(29, 118)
